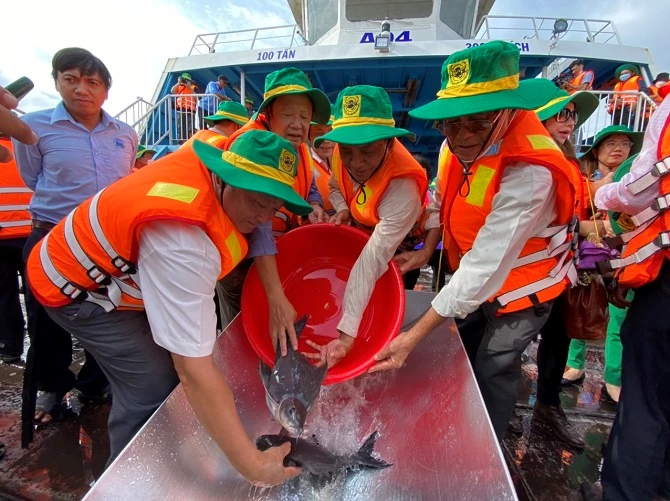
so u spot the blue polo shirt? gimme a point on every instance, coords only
(69, 163)
(209, 103)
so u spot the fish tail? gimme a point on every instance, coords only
(364, 454)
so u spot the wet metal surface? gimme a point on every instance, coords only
(432, 421)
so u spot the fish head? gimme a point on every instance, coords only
(292, 414)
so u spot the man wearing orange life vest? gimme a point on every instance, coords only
(636, 458)
(377, 186)
(290, 104)
(186, 106)
(660, 81)
(229, 117)
(622, 107)
(507, 196)
(582, 80)
(15, 225)
(131, 274)
(321, 157)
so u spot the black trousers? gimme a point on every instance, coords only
(12, 323)
(552, 355)
(636, 460)
(53, 356)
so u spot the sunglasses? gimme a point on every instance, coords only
(473, 126)
(565, 115)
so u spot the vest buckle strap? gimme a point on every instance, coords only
(663, 240)
(95, 274)
(124, 266)
(649, 179)
(71, 291)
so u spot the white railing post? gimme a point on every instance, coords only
(243, 87)
(537, 33)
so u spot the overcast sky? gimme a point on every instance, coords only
(135, 38)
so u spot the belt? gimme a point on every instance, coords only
(42, 225)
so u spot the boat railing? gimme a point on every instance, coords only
(172, 120)
(284, 37)
(542, 28)
(631, 109)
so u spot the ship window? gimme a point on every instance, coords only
(367, 10)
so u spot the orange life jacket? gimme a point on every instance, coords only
(577, 81)
(545, 266)
(92, 254)
(618, 101)
(184, 102)
(654, 95)
(209, 136)
(364, 201)
(322, 178)
(15, 198)
(648, 245)
(284, 219)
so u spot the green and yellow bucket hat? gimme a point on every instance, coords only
(294, 81)
(259, 161)
(363, 114)
(141, 150)
(484, 78)
(585, 104)
(229, 110)
(332, 117)
(187, 76)
(630, 67)
(635, 137)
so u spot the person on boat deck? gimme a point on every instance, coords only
(660, 81)
(142, 301)
(636, 463)
(81, 149)
(322, 157)
(144, 157)
(209, 104)
(560, 117)
(228, 118)
(611, 147)
(290, 104)
(507, 196)
(185, 106)
(249, 105)
(377, 186)
(582, 80)
(623, 107)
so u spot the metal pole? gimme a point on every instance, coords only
(243, 87)
(537, 33)
(488, 32)
(295, 27)
(592, 38)
(616, 32)
(253, 42)
(474, 20)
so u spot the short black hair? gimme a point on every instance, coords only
(425, 163)
(223, 77)
(577, 62)
(81, 59)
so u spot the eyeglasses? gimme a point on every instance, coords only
(624, 145)
(565, 115)
(473, 126)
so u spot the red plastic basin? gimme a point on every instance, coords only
(314, 263)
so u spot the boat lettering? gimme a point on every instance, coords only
(405, 36)
(269, 55)
(523, 47)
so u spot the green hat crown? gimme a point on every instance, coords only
(585, 105)
(230, 110)
(293, 81)
(362, 114)
(186, 76)
(484, 79)
(611, 130)
(141, 150)
(630, 67)
(259, 161)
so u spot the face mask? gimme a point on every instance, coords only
(625, 77)
(661, 83)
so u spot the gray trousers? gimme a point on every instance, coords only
(229, 292)
(498, 362)
(140, 372)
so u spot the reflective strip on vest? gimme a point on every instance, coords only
(15, 224)
(4, 191)
(562, 269)
(649, 179)
(659, 243)
(94, 273)
(117, 260)
(12, 208)
(658, 206)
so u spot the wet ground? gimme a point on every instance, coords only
(68, 455)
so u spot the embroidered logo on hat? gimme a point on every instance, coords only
(351, 106)
(459, 72)
(287, 161)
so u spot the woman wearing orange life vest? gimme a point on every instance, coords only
(377, 186)
(131, 274)
(290, 104)
(622, 107)
(507, 204)
(635, 464)
(322, 158)
(186, 106)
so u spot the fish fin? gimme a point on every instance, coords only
(265, 371)
(300, 325)
(364, 454)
